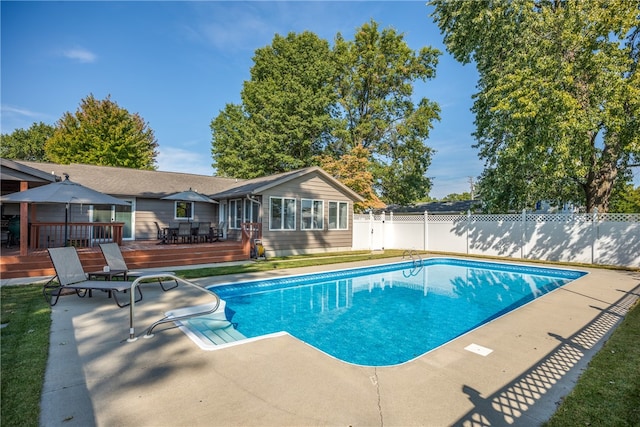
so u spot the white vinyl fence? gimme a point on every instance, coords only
(606, 239)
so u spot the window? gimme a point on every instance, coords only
(184, 210)
(282, 213)
(338, 215)
(235, 213)
(312, 214)
(251, 211)
(117, 213)
(242, 210)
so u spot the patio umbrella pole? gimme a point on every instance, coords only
(66, 222)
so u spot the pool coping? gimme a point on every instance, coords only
(94, 377)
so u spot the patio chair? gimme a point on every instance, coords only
(184, 231)
(113, 256)
(161, 233)
(71, 276)
(172, 232)
(204, 232)
(218, 232)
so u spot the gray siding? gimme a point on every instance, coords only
(149, 211)
(288, 242)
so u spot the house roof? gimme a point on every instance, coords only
(12, 173)
(135, 182)
(259, 185)
(156, 184)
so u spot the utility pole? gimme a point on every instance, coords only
(471, 186)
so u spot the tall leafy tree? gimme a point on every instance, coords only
(102, 133)
(557, 112)
(285, 116)
(353, 169)
(26, 144)
(375, 89)
(305, 99)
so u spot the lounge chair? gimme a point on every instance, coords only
(72, 276)
(115, 261)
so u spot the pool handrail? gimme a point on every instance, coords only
(411, 254)
(166, 319)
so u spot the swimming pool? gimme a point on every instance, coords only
(387, 314)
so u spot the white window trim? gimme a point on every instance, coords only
(252, 209)
(295, 214)
(313, 216)
(233, 209)
(338, 203)
(181, 218)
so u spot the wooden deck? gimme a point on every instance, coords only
(138, 254)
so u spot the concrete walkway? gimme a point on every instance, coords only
(95, 377)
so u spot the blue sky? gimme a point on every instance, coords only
(178, 63)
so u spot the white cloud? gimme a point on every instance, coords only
(13, 117)
(10, 109)
(80, 55)
(232, 35)
(172, 159)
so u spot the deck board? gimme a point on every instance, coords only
(137, 255)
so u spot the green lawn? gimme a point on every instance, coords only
(25, 346)
(608, 392)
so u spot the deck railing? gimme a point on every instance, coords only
(44, 235)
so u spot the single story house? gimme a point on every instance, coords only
(302, 211)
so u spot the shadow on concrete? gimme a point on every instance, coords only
(523, 401)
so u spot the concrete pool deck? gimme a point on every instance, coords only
(95, 377)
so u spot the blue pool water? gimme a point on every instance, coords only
(387, 314)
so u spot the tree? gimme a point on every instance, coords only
(285, 116)
(627, 200)
(375, 87)
(557, 112)
(305, 99)
(27, 144)
(456, 197)
(102, 133)
(353, 170)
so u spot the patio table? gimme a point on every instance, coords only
(108, 275)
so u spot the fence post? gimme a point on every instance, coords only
(426, 231)
(468, 227)
(523, 235)
(594, 235)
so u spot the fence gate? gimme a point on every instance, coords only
(377, 232)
